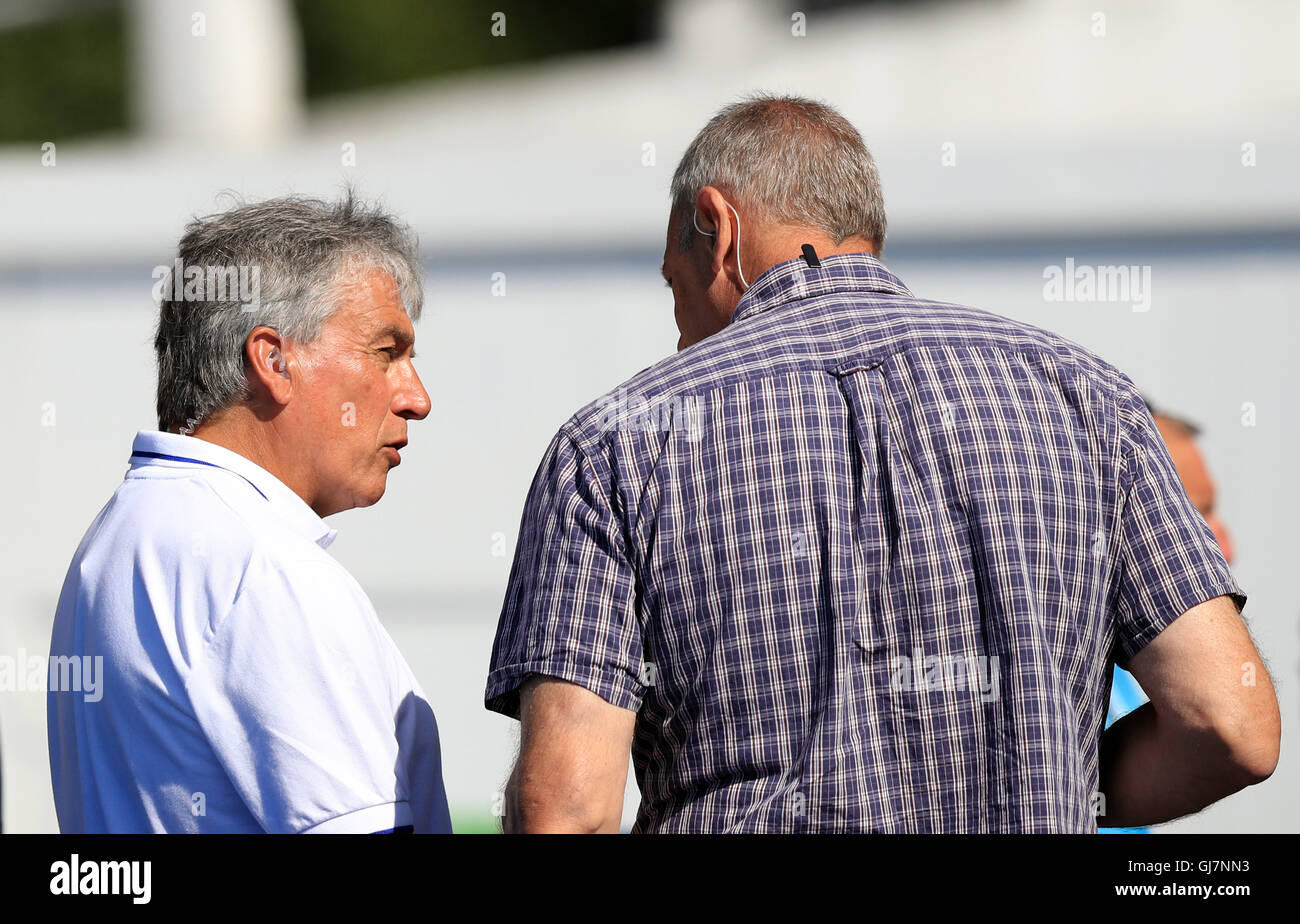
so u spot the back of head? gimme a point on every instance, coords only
(788, 160)
(282, 263)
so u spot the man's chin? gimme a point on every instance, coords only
(372, 496)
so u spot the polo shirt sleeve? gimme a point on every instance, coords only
(1168, 558)
(570, 606)
(293, 694)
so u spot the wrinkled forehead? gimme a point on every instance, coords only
(369, 301)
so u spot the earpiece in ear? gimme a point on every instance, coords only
(695, 219)
(276, 362)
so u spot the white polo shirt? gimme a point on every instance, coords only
(246, 683)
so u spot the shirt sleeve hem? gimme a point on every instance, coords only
(1173, 605)
(612, 685)
(369, 820)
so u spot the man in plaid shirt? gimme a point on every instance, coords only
(852, 560)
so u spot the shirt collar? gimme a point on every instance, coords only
(153, 447)
(795, 279)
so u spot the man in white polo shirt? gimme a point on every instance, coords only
(246, 683)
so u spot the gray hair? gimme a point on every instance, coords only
(303, 253)
(789, 159)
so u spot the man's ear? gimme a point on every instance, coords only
(714, 217)
(268, 366)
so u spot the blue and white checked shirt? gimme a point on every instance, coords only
(859, 562)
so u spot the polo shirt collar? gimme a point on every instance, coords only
(153, 447)
(795, 279)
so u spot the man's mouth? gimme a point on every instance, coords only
(392, 451)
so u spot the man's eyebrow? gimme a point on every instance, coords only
(663, 270)
(402, 338)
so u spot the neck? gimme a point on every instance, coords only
(778, 245)
(238, 430)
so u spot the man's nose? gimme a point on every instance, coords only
(413, 401)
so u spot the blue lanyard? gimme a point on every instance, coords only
(163, 455)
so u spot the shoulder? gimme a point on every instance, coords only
(945, 324)
(169, 530)
(194, 539)
(657, 400)
(826, 333)
(212, 509)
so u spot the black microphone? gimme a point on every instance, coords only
(810, 255)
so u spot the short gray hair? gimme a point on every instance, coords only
(304, 253)
(791, 160)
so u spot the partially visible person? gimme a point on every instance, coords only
(1179, 436)
(858, 560)
(246, 684)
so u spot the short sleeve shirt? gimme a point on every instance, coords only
(245, 683)
(859, 562)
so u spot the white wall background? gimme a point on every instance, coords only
(1117, 149)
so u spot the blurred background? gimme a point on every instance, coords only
(531, 148)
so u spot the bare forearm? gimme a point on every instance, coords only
(533, 807)
(547, 821)
(1152, 773)
(572, 765)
